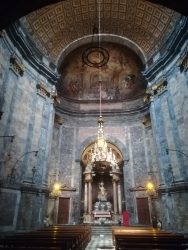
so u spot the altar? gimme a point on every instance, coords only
(102, 210)
(101, 214)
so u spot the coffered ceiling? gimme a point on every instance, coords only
(55, 26)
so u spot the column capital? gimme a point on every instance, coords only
(88, 177)
(115, 178)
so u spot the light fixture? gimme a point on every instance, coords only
(34, 170)
(1, 113)
(175, 150)
(101, 152)
(56, 189)
(151, 189)
(150, 186)
(8, 136)
(12, 176)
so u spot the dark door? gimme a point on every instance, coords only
(63, 211)
(143, 211)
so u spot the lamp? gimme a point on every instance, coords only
(56, 188)
(150, 186)
(151, 189)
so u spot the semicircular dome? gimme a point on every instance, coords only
(117, 66)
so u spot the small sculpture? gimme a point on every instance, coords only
(89, 167)
(102, 194)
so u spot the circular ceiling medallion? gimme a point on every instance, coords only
(95, 57)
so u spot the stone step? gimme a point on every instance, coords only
(101, 230)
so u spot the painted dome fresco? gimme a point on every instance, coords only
(119, 69)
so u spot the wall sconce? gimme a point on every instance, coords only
(151, 189)
(1, 113)
(12, 176)
(56, 189)
(7, 155)
(9, 136)
(34, 170)
(175, 150)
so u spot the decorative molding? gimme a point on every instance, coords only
(139, 188)
(41, 27)
(58, 120)
(75, 112)
(33, 189)
(147, 121)
(16, 65)
(176, 187)
(44, 91)
(175, 43)
(88, 59)
(65, 187)
(30, 53)
(183, 62)
(155, 90)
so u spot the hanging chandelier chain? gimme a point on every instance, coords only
(100, 88)
(101, 152)
(100, 83)
(99, 21)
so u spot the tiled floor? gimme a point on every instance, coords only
(100, 242)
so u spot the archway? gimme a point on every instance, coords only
(102, 184)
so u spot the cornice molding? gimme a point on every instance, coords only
(137, 189)
(16, 65)
(155, 90)
(45, 91)
(30, 53)
(94, 113)
(168, 53)
(176, 187)
(183, 62)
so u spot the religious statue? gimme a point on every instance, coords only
(102, 194)
(88, 167)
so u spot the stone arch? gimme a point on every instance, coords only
(105, 173)
(104, 38)
(112, 139)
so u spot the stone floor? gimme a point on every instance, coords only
(100, 242)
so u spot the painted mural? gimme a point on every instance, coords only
(121, 75)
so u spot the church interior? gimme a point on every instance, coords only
(93, 114)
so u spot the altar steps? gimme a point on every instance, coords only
(98, 230)
(101, 238)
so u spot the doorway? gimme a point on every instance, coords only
(63, 211)
(143, 211)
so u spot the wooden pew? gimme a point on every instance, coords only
(53, 238)
(64, 243)
(145, 238)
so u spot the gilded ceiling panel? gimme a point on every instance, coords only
(55, 26)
